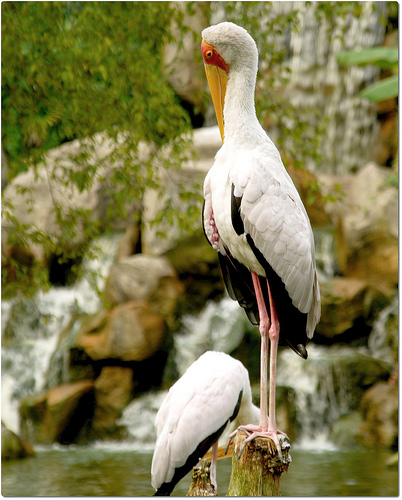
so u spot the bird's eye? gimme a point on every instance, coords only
(209, 54)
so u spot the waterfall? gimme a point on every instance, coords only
(325, 254)
(31, 329)
(320, 390)
(219, 327)
(383, 341)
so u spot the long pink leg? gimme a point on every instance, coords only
(274, 338)
(271, 328)
(264, 326)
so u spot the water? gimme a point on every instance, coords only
(220, 326)
(122, 471)
(31, 329)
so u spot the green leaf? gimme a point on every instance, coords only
(382, 90)
(383, 57)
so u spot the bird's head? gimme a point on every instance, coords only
(226, 49)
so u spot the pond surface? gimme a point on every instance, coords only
(118, 471)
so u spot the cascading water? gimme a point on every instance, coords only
(316, 402)
(31, 329)
(382, 343)
(219, 327)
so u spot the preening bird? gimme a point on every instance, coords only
(253, 215)
(214, 391)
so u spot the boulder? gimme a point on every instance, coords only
(344, 301)
(136, 277)
(343, 431)
(132, 331)
(366, 221)
(13, 447)
(379, 406)
(188, 76)
(113, 391)
(45, 184)
(59, 414)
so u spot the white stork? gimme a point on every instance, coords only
(253, 215)
(214, 391)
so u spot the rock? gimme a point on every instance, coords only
(45, 184)
(197, 265)
(13, 447)
(113, 391)
(130, 332)
(129, 243)
(186, 79)
(379, 407)
(343, 432)
(193, 255)
(366, 222)
(57, 415)
(156, 240)
(136, 277)
(344, 301)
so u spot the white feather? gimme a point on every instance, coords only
(196, 406)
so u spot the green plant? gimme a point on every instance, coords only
(385, 58)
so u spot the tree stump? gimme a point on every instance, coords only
(201, 484)
(259, 469)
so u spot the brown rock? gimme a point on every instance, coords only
(13, 447)
(130, 332)
(366, 222)
(136, 277)
(343, 300)
(113, 391)
(379, 407)
(52, 416)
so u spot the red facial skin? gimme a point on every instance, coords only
(211, 56)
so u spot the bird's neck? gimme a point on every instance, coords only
(240, 119)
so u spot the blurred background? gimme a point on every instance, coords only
(109, 287)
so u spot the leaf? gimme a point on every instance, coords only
(383, 57)
(382, 90)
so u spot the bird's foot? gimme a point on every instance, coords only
(254, 431)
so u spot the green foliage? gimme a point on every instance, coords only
(382, 57)
(74, 70)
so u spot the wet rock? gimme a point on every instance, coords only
(343, 432)
(59, 414)
(13, 447)
(136, 277)
(186, 79)
(113, 391)
(344, 301)
(366, 222)
(132, 331)
(379, 407)
(197, 265)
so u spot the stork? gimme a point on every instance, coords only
(254, 217)
(214, 391)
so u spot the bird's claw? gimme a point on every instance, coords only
(254, 431)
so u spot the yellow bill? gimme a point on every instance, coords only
(217, 81)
